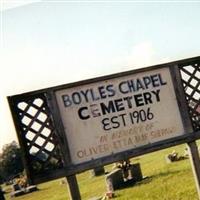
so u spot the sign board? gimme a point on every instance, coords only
(67, 129)
(117, 114)
(91, 123)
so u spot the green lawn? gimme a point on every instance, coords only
(172, 181)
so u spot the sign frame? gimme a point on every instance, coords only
(71, 169)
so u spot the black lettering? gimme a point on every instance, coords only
(131, 86)
(102, 92)
(155, 80)
(138, 100)
(81, 113)
(111, 90)
(147, 98)
(85, 94)
(123, 119)
(66, 100)
(139, 85)
(123, 89)
(128, 100)
(107, 109)
(157, 94)
(115, 123)
(147, 81)
(142, 115)
(76, 97)
(105, 124)
(161, 80)
(94, 98)
(119, 105)
(131, 117)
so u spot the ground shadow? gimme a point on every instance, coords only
(147, 179)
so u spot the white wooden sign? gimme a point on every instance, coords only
(118, 114)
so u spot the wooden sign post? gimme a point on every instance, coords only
(195, 163)
(73, 188)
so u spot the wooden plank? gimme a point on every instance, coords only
(192, 147)
(181, 99)
(73, 187)
(195, 164)
(48, 176)
(23, 145)
(191, 86)
(59, 127)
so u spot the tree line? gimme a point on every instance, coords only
(10, 162)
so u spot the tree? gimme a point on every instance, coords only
(10, 161)
(1, 175)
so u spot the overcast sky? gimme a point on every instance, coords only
(48, 43)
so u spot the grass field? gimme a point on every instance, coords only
(173, 181)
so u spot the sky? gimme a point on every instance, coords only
(49, 43)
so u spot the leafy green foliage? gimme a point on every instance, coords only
(10, 161)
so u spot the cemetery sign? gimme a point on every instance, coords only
(117, 114)
(67, 129)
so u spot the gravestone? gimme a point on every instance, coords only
(135, 173)
(16, 187)
(114, 180)
(18, 191)
(172, 157)
(120, 177)
(98, 171)
(31, 188)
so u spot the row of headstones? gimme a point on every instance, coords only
(114, 180)
(119, 178)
